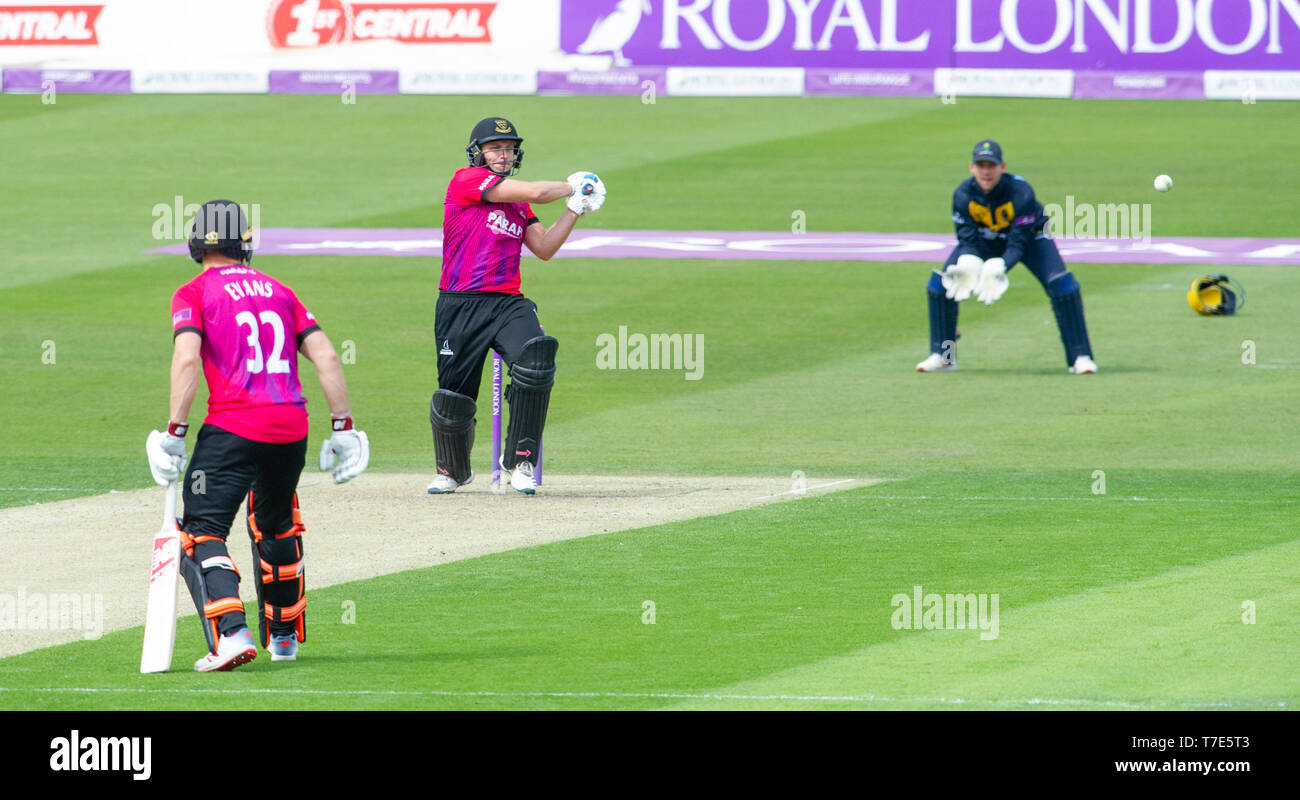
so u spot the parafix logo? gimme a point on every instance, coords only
(48, 25)
(311, 23)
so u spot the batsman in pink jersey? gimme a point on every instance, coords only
(487, 221)
(246, 329)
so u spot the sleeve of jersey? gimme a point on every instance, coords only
(468, 186)
(187, 311)
(968, 235)
(1024, 207)
(304, 320)
(529, 215)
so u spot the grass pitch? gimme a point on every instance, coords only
(1169, 590)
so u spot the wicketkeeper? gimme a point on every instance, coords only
(487, 219)
(999, 224)
(246, 329)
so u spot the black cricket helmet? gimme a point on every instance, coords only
(221, 227)
(494, 129)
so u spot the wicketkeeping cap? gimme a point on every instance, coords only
(987, 150)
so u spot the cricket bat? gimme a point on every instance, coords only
(164, 575)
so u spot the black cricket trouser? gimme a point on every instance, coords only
(222, 469)
(468, 324)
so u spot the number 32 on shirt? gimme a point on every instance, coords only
(256, 364)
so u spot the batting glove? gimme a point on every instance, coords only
(588, 193)
(166, 452)
(993, 281)
(348, 448)
(961, 278)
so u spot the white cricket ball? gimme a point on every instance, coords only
(1164, 183)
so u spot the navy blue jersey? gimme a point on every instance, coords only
(1000, 223)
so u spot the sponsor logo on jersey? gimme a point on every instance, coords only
(995, 219)
(500, 225)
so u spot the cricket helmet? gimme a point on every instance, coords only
(220, 227)
(494, 129)
(1216, 295)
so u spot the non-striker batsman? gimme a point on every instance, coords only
(245, 330)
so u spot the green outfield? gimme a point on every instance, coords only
(1138, 527)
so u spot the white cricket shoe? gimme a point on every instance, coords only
(445, 484)
(521, 477)
(936, 363)
(233, 650)
(284, 648)
(1084, 365)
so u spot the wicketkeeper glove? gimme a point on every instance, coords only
(588, 193)
(349, 448)
(166, 452)
(993, 281)
(961, 278)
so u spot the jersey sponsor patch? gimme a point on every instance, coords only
(501, 225)
(994, 220)
(181, 316)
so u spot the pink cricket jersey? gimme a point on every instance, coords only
(251, 326)
(481, 241)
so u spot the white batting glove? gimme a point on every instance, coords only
(588, 193)
(349, 448)
(166, 454)
(993, 281)
(961, 278)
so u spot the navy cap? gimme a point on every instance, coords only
(987, 150)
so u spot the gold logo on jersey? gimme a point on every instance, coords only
(503, 127)
(996, 220)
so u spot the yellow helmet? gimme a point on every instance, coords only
(1216, 295)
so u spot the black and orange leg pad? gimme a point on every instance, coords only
(281, 588)
(213, 582)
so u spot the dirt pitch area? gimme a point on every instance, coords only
(91, 555)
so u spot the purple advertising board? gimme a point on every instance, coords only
(614, 81)
(332, 81)
(1106, 35)
(24, 80)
